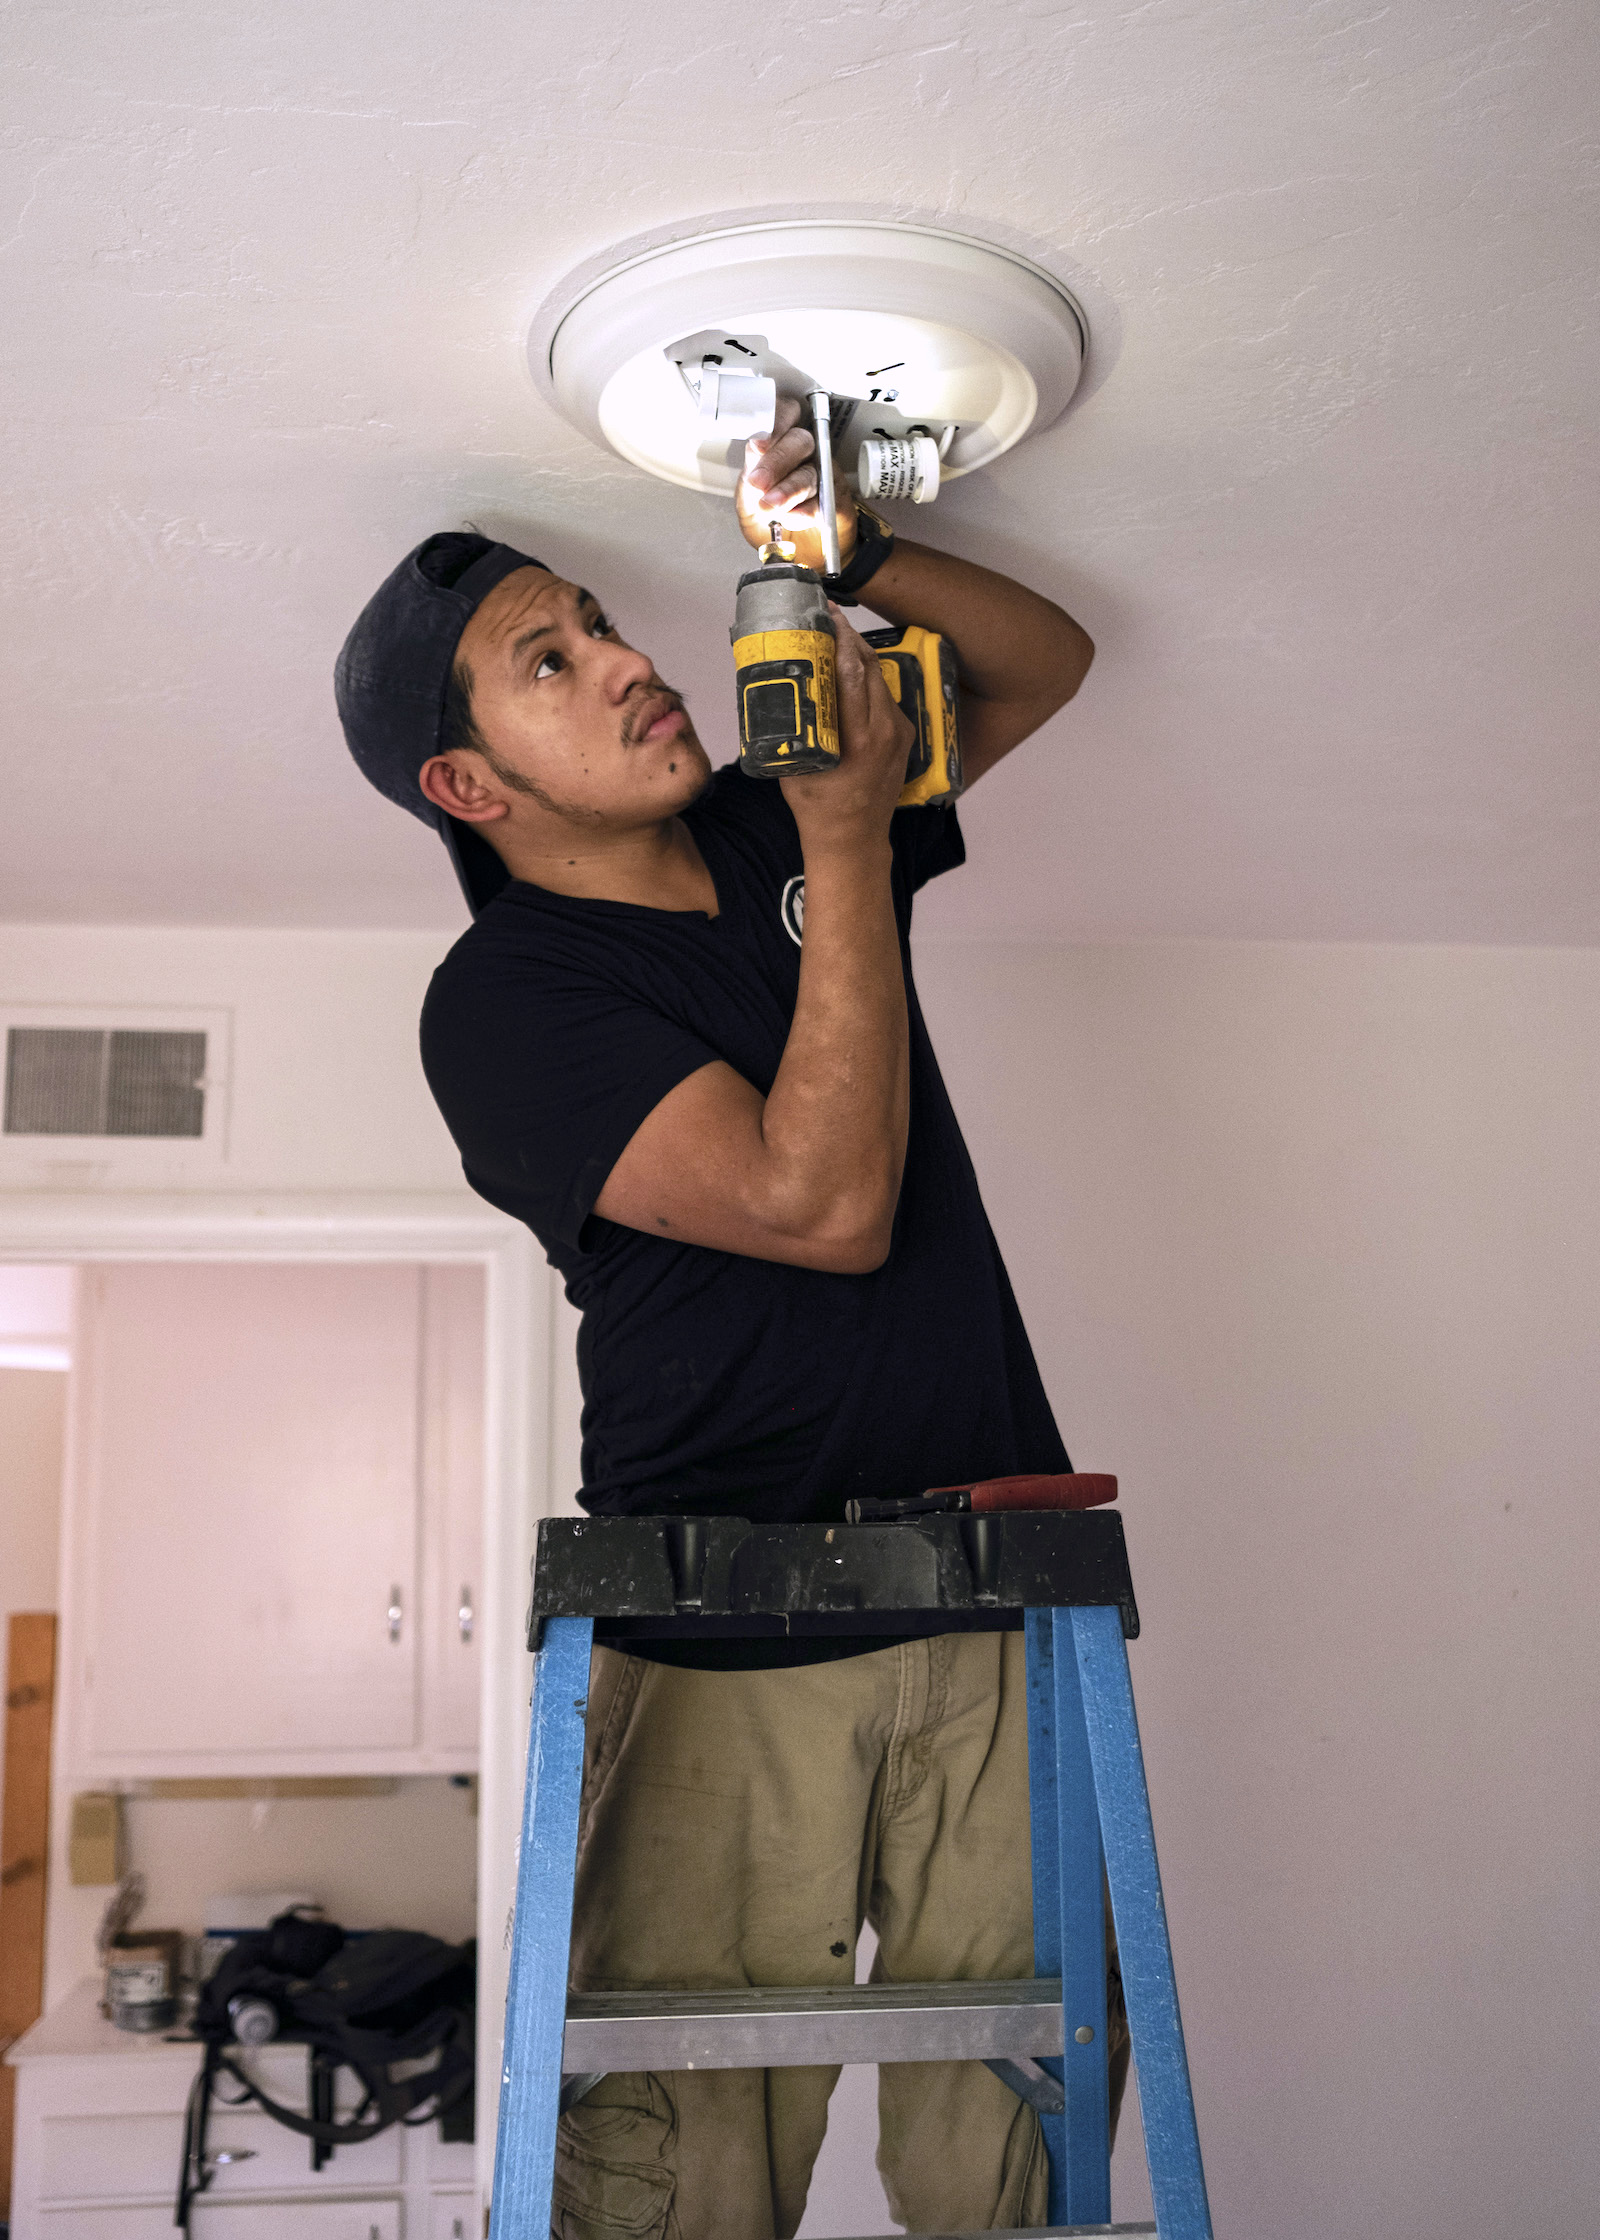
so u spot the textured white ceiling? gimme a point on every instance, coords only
(1328, 504)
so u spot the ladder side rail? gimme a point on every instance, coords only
(1166, 2101)
(1087, 2191)
(541, 1943)
(1069, 1919)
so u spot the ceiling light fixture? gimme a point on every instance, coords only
(939, 352)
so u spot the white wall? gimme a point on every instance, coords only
(327, 1090)
(405, 1859)
(1309, 1243)
(35, 1318)
(1308, 1240)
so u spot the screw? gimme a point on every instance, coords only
(1084, 2035)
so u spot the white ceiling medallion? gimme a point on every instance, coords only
(939, 352)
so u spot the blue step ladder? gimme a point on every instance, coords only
(1065, 1576)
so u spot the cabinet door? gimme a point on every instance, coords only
(246, 1508)
(452, 1465)
(91, 2157)
(285, 2220)
(149, 2223)
(298, 2220)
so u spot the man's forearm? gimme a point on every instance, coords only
(836, 1117)
(810, 1173)
(1013, 645)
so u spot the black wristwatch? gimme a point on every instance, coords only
(874, 543)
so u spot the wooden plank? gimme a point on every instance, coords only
(24, 1844)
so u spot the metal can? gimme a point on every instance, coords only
(142, 1969)
(254, 2019)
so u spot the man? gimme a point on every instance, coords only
(681, 1041)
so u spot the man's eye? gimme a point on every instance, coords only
(601, 626)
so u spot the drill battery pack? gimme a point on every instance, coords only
(919, 667)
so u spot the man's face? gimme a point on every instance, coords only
(571, 714)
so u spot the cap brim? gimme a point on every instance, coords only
(477, 867)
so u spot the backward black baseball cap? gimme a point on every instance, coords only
(391, 676)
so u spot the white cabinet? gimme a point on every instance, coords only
(98, 2135)
(274, 1520)
(452, 1476)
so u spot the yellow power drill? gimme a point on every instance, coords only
(786, 673)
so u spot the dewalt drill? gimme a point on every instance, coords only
(786, 673)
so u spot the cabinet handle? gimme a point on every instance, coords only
(464, 1615)
(215, 2162)
(396, 1613)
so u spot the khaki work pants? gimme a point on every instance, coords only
(737, 1829)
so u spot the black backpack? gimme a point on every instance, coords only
(360, 2003)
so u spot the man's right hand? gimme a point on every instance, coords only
(852, 805)
(779, 483)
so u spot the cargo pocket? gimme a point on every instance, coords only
(614, 1682)
(614, 2176)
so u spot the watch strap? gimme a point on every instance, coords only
(874, 543)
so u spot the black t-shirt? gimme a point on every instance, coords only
(715, 1384)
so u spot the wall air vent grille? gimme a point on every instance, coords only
(116, 1081)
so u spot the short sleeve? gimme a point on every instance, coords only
(926, 842)
(543, 1077)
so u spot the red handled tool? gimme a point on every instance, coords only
(1066, 1489)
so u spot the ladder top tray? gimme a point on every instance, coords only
(656, 1577)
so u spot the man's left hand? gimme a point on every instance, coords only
(779, 483)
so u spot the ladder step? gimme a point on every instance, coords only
(778, 2029)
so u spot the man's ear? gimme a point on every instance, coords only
(454, 787)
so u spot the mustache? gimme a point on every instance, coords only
(654, 701)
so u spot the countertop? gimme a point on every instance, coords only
(76, 2029)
